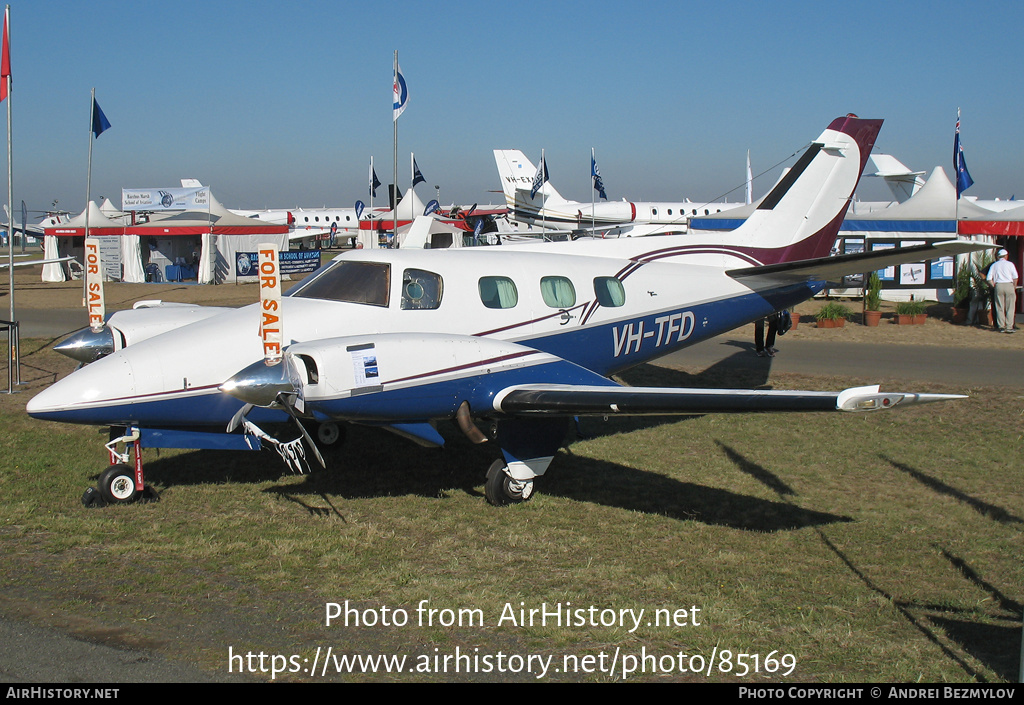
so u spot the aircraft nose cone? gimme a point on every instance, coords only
(259, 383)
(88, 345)
(87, 395)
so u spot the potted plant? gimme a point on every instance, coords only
(832, 315)
(981, 296)
(962, 293)
(873, 300)
(910, 313)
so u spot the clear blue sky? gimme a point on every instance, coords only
(283, 104)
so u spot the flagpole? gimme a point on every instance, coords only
(394, 181)
(593, 192)
(373, 231)
(88, 186)
(543, 212)
(10, 173)
(956, 178)
(12, 338)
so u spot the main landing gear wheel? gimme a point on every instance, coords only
(117, 485)
(502, 489)
(328, 433)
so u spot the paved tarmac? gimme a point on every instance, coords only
(49, 322)
(36, 655)
(928, 363)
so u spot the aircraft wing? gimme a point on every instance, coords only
(28, 263)
(582, 400)
(35, 230)
(833, 269)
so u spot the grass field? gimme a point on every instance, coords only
(881, 547)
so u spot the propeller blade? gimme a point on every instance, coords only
(287, 404)
(239, 416)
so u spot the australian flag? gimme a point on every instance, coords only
(963, 177)
(540, 177)
(596, 173)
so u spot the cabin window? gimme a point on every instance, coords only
(609, 292)
(421, 289)
(670, 211)
(350, 282)
(558, 292)
(654, 211)
(498, 292)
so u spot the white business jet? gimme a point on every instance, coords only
(546, 208)
(521, 340)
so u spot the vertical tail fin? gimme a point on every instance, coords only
(801, 215)
(516, 173)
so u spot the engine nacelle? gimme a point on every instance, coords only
(412, 375)
(124, 328)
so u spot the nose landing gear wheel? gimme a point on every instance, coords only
(502, 489)
(117, 485)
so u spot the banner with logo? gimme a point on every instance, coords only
(290, 262)
(165, 199)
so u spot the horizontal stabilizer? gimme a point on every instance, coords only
(833, 269)
(577, 400)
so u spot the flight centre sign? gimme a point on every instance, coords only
(165, 199)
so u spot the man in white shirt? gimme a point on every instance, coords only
(1002, 275)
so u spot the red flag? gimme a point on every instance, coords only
(5, 62)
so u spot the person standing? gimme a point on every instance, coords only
(766, 348)
(1002, 275)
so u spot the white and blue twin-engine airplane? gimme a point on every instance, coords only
(522, 339)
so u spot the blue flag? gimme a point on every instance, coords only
(417, 177)
(540, 177)
(359, 209)
(596, 173)
(374, 182)
(431, 207)
(963, 177)
(99, 120)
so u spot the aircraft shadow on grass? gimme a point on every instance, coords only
(372, 463)
(989, 642)
(981, 507)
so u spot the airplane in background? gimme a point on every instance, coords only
(306, 224)
(547, 208)
(521, 339)
(904, 183)
(309, 224)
